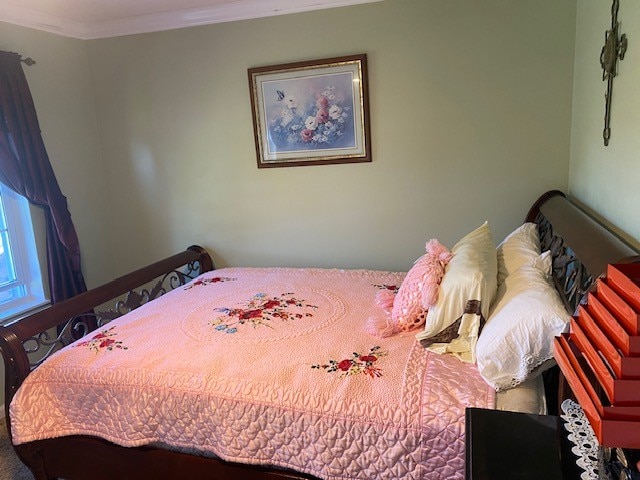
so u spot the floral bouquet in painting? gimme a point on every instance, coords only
(311, 119)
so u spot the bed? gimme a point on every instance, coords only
(273, 373)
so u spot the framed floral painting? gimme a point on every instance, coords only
(311, 113)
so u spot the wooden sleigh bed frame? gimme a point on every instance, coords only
(581, 248)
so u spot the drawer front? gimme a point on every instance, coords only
(628, 345)
(620, 308)
(625, 280)
(623, 367)
(610, 427)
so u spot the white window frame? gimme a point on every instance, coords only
(24, 255)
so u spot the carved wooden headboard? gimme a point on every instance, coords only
(581, 248)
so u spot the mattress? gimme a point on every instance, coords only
(526, 397)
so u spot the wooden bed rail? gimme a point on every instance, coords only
(26, 342)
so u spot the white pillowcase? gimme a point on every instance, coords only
(470, 275)
(519, 247)
(517, 341)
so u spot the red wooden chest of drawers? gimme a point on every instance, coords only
(600, 357)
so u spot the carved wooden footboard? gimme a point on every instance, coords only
(26, 343)
(580, 246)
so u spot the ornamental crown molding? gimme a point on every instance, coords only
(152, 22)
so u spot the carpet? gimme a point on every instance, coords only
(11, 468)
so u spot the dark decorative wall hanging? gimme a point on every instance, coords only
(614, 48)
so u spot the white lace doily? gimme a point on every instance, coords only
(585, 443)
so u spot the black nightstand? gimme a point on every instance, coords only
(517, 446)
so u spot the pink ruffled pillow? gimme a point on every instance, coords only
(418, 292)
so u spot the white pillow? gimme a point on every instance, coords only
(517, 341)
(471, 275)
(519, 247)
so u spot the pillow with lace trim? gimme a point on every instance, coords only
(517, 340)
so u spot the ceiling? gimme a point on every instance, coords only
(87, 19)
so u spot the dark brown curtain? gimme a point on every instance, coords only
(25, 168)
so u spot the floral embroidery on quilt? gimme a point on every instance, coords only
(209, 281)
(357, 364)
(260, 311)
(103, 340)
(391, 288)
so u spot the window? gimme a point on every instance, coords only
(20, 278)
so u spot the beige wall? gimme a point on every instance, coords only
(470, 120)
(606, 179)
(61, 88)
(151, 136)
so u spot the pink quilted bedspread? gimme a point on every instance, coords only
(263, 366)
